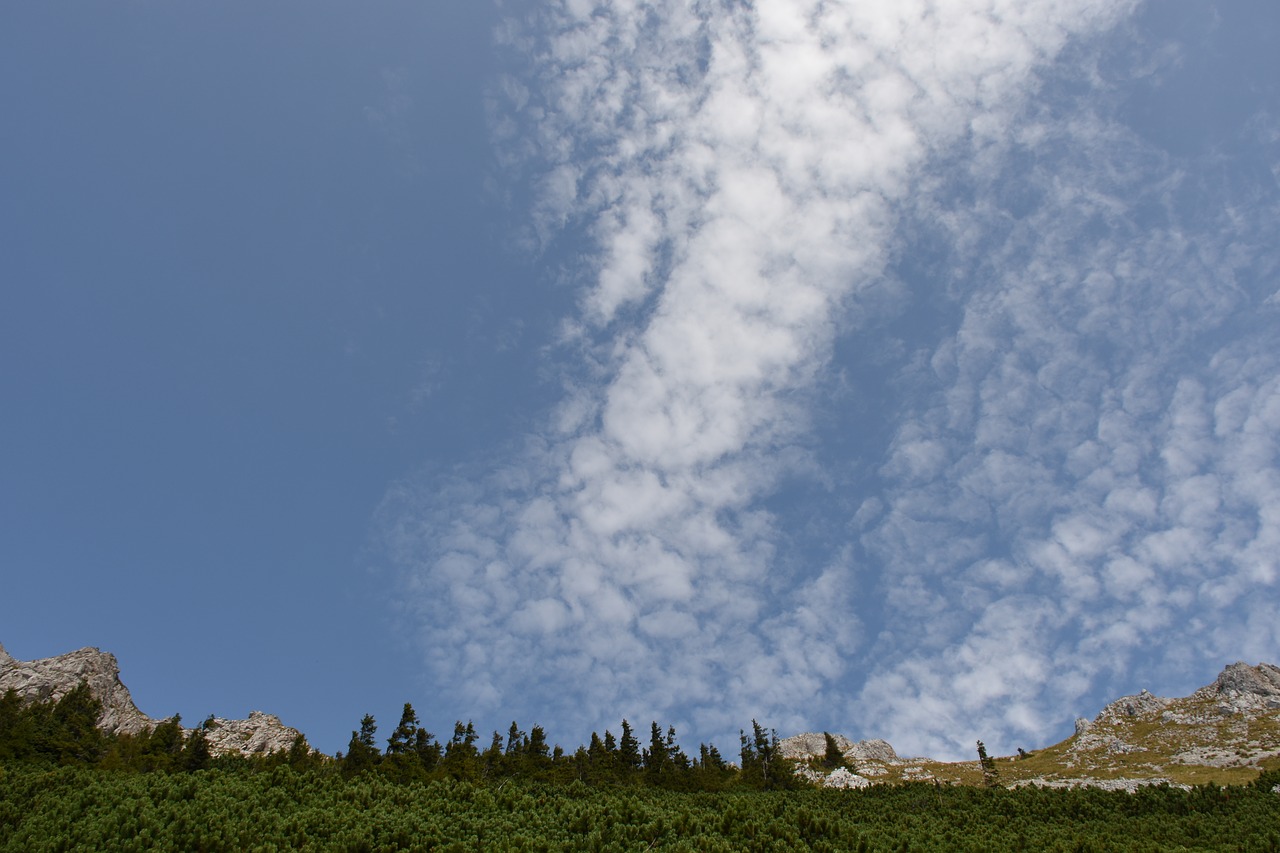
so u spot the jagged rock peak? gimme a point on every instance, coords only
(1246, 687)
(49, 679)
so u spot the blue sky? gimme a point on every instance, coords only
(902, 369)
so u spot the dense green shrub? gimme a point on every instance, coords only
(66, 786)
(250, 807)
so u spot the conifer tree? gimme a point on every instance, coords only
(675, 755)
(73, 735)
(461, 758)
(362, 751)
(515, 739)
(990, 776)
(402, 739)
(163, 746)
(628, 750)
(494, 760)
(762, 763)
(400, 762)
(195, 752)
(655, 757)
(426, 749)
(299, 755)
(596, 752)
(536, 745)
(833, 757)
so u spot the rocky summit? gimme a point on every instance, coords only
(49, 679)
(1225, 732)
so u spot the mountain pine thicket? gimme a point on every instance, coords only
(66, 785)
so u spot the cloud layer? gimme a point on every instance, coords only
(1083, 484)
(1078, 455)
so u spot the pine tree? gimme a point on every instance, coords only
(195, 753)
(493, 760)
(401, 763)
(362, 751)
(833, 757)
(73, 735)
(536, 745)
(990, 776)
(762, 763)
(162, 748)
(515, 739)
(628, 750)
(596, 751)
(300, 755)
(655, 758)
(426, 749)
(461, 758)
(402, 739)
(675, 754)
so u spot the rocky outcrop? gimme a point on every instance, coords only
(838, 778)
(1233, 722)
(1129, 785)
(261, 734)
(872, 750)
(802, 747)
(1242, 689)
(868, 758)
(49, 679)
(1221, 731)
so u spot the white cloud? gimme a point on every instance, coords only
(1094, 406)
(1057, 466)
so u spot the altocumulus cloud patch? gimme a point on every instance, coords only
(1073, 457)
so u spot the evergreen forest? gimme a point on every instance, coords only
(66, 785)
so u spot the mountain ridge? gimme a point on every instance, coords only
(49, 679)
(1226, 731)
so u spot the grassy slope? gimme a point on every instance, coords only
(1189, 742)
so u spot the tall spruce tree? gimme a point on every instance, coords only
(362, 750)
(628, 750)
(832, 757)
(402, 739)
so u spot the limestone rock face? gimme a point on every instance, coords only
(49, 679)
(872, 750)
(52, 678)
(810, 745)
(838, 778)
(1233, 722)
(1143, 704)
(1241, 688)
(261, 734)
(802, 747)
